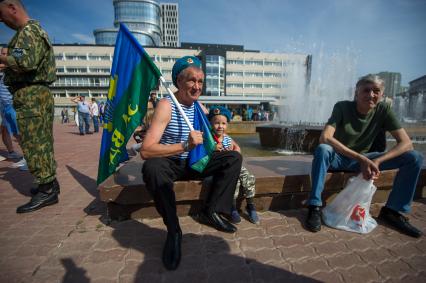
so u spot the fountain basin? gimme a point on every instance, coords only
(297, 138)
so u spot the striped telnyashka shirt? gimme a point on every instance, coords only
(227, 142)
(177, 130)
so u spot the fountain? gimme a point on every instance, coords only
(307, 106)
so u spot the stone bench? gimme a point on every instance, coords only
(281, 183)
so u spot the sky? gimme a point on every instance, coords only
(378, 35)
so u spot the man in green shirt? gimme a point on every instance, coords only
(345, 143)
(29, 70)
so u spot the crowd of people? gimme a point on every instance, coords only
(166, 140)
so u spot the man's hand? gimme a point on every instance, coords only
(195, 138)
(370, 169)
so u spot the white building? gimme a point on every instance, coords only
(170, 24)
(234, 76)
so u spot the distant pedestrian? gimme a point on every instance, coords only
(83, 110)
(101, 112)
(9, 124)
(67, 118)
(153, 100)
(29, 70)
(94, 112)
(63, 115)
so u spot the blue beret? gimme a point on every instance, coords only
(219, 110)
(183, 63)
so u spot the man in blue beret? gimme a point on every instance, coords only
(165, 149)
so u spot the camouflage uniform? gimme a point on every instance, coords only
(247, 182)
(31, 68)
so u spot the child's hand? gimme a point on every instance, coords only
(219, 147)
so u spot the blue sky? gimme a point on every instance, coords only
(382, 35)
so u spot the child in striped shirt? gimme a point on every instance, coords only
(219, 118)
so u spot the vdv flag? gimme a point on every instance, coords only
(201, 154)
(133, 77)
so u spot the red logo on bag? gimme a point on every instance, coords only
(358, 214)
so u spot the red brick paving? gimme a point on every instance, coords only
(73, 241)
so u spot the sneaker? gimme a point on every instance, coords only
(399, 222)
(252, 214)
(20, 163)
(2, 158)
(13, 155)
(313, 221)
(235, 216)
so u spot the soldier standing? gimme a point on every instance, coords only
(29, 70)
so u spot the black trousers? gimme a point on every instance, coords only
(160, 173)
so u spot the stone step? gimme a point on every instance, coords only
(281, 183)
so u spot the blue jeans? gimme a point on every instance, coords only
(404, 185)
(83, 118)
(95, 123)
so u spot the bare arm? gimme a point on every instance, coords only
(369, 169)
(151, 146)
(235, 146)
(403, 144)
(75, 99)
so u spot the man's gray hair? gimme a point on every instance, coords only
(371, 79)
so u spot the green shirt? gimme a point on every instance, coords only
(30, 57)
(357, 131)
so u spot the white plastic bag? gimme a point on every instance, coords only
(349, 211)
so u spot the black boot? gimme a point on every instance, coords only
(313, 221)
(399, 222)
(47, 195)
(56, 188)
(172, 250)
(217, 222)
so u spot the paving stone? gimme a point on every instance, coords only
(406, 250)
(417, 263)
(264, 255)
(394, 270)
(112, 256)
(254, 244)
(360, 244)
(345, 261)
(288, 241)
(311, 266)
(375, 256)
(249, 233)
(332, 276)
(224, 247)
(331, 248)
(360, 274)
(414, 278)
(297, 253)
(234, 274)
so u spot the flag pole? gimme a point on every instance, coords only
(173, 97)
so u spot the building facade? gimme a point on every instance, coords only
(170, 24)
(392, 83)
(235, 77)
(142, 17)
(417, 99)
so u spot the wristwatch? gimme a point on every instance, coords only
(185, 145)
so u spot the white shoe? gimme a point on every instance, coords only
(13, 155)
(2, 158)
(20, 163)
